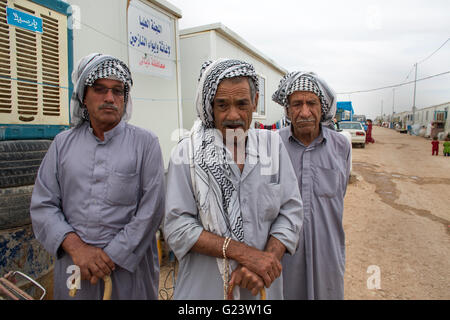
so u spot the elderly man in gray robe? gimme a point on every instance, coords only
(98, 199)
(321, 159)
(232, 205)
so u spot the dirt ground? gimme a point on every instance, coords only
(397, 217)
(396, 220)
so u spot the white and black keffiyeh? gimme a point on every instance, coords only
(212, 72)
(214, 191)
(91, 68)
(308, 81)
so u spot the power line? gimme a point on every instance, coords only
(412, 68)
(434, 52)
(395, 85)
(409, 73)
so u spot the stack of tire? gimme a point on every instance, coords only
(19, 250)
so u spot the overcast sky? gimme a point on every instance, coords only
(353, 45)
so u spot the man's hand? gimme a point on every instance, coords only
(93, 262)
(244, 278)
(264, 264)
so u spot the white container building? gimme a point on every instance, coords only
(214, 41)
(145, 35)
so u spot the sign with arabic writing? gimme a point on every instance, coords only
(23, 20)
(151, 38)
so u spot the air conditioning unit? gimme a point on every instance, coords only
(35, 68)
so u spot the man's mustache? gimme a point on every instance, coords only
(229, 123)
(305, 120)
(108, 106)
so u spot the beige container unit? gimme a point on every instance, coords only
(34, 85)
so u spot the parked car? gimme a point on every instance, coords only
(356, 130)
(348, 136)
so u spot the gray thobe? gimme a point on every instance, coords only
(111, 193)
(270, 205)
(316, 271)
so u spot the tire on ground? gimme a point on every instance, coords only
(20, 161)
(15, 206)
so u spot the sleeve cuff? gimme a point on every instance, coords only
(289, 238)
(183, 243)
(57, 250)
(123, 258)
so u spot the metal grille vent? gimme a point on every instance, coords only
(27, 73)
(50, 65)
(34, 68)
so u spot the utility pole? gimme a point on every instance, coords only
(393, 103)
(414, 100)
(382, 111)
(393, 100)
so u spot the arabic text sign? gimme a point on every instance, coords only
(150, 41)
(23, 20)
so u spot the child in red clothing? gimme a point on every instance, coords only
(435, 144)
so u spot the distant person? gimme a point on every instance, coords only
(447, 146)
(98, 199)
(435, 146)
(369, 138)
(322, 160)
(409, 128)
(336, 124)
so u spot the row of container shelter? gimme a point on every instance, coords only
(36, 63)
(433, 119)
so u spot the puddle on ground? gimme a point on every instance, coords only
(386, 189)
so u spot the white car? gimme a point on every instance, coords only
(348, 136)
(356, 129)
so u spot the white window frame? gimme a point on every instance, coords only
(262, 99)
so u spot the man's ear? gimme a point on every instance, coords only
(286, 113)
(84, 96)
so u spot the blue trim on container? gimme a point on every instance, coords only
(55, 5)
(33, 82)
(29, 131)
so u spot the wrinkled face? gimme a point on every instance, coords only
(305, 113)
(105, 102)
(233, 106)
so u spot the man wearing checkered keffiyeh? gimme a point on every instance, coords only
(229, 222)
(98, 199)
(310, 82)
(321, 158)
(91, 68)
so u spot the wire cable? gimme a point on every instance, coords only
(434, 52)
(396, 85)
